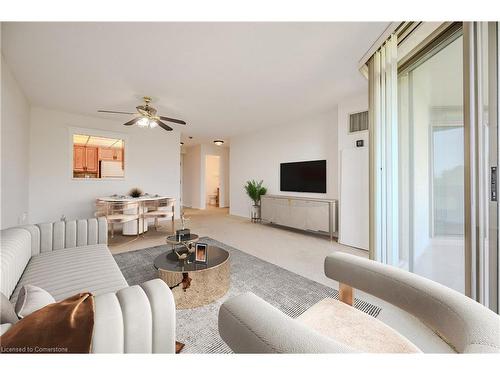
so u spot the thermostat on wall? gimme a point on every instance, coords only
(359, 143)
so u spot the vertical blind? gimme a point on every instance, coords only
(383, 118)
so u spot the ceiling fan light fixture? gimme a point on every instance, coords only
(143, 122)
(147, 117)
(218, 142)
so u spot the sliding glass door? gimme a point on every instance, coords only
(434, 170)
(431, 164)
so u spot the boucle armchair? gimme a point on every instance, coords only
(250, 325)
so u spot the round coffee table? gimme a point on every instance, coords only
(195, 284)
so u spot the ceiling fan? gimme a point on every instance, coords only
(146, 116)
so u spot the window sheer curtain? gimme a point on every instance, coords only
(383, 130)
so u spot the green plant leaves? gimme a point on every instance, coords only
(255, 190)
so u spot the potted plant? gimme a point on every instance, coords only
(135, 192)
(255, 190)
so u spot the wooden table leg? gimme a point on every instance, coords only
(346, 294)
(186, 281)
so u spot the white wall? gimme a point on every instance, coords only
(151, 163)
(258, 156)
(353, 220)
(15, 151)
(191, 170)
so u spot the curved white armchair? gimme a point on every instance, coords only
(250, 325)
(464, 324)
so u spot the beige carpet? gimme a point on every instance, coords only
(296, 251)
(198, 327)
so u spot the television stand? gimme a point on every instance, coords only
(309, 214)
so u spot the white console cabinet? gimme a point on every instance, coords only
(310, 214)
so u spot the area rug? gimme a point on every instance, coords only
(197, 328)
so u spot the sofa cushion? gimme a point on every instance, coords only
(15, 253)
(354, 328)
(32, 298)
(7, 312)
(66, 272)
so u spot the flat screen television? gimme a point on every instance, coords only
(303, 176)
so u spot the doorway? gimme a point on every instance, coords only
(212, 181)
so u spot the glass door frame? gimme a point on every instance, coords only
(489, 44)
(430, 47)
(482, 213)
(494, 48)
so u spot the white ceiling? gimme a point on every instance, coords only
(222, 78)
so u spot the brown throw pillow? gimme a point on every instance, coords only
(7, 313)
(61, 327)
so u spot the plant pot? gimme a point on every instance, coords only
(256, 213)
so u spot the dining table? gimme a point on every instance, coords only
(140, 226)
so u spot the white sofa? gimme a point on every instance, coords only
(66, 258)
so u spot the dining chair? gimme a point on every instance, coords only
(120, 213)
(160, 209)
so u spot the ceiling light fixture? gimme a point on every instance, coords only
(143, 122)
(218, 142)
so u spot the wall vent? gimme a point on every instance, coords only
(358, 122)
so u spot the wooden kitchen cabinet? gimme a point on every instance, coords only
(105, 153)
(91, 159)
(110, 154)
(118, 154)
(85, 159)
(79, 158)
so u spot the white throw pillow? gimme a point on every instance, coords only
(4, 328)
(32, 298)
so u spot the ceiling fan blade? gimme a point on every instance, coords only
(123, 113)
(173, 120)
(133, 121)
(163, 125)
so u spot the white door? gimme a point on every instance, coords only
(354, 198)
